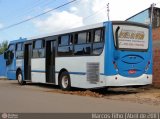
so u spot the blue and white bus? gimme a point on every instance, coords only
(117, 53)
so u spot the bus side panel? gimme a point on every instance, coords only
(11, 70)
(17, 64)
(11, 75)
(38, 70)
(77, 68)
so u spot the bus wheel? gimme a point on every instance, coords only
(64, 81)
(20, 78)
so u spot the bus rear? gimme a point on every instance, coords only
(128, 54)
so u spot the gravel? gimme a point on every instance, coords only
(147, 95)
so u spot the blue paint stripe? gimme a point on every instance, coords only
(78, 73)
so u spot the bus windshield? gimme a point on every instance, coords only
(131, 37)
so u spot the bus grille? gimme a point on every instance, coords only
(92, 72)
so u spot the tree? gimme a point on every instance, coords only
(3, 46)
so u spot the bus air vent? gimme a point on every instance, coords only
(93, 72)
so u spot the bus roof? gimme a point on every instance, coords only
(92, 26)
(17, 41)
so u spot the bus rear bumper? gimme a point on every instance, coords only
(118, 80)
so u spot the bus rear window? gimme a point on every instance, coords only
(128, 37)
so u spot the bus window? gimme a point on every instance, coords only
(19, 50)
(98, 42)
(38, 49)
(64, 40)
(81, 45)
(130, 37)
(97, 35)
(19, 47)
(82, 38)
(38, 44)
(11, 47)
(65, 48)
(41, 53)
(35, 53)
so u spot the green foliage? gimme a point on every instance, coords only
(3, 46)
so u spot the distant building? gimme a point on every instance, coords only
(145, 17)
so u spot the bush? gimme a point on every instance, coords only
(3, 46)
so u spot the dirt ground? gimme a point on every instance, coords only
(43, 98)
(140, 95)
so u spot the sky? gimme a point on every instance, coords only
(79, 13)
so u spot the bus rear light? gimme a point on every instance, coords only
(147, 77)
(116, 78)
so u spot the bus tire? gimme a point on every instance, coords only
(20, 78)
(64, 81)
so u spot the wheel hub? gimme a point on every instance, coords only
(65, 82)
(20, 78)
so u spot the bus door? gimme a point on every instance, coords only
(27, 61)
(50, 61)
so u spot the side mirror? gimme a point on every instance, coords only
(9, 55)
